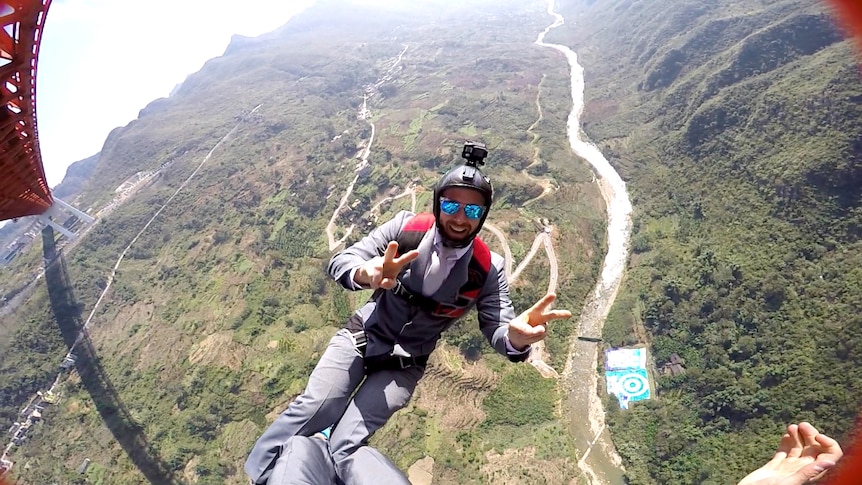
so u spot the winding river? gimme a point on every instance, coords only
(598, 457)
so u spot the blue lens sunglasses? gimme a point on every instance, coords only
(451, 207)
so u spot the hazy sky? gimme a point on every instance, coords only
(102, 61)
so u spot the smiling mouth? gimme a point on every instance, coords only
(458, 230)
(458, 233)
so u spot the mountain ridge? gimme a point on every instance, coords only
(221, 306)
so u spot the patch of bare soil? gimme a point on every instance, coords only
(118, 336)
(118, 328)
(190, 473)
(218, 348)
(422, 472)
(164, 347)
(598, 109)
(522, 467)
(454, 389)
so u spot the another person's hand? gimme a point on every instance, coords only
(803, 456)
(382, 271)
(531, 326)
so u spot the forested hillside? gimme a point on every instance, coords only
(737, 127)
(221, 306)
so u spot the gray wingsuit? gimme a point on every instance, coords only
(390, 323)
(308, 461)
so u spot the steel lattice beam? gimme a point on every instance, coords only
(23, 188)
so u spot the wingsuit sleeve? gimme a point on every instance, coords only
(495, 310)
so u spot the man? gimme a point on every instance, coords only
(383, 351)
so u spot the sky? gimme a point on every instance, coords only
(102, 61)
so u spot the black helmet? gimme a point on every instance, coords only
(467, 176)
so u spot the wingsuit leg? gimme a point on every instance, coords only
(304, 461)
(370, 467)
(378, 398)
(307, 461)
(325, 398)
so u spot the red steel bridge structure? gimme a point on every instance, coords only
(24, 190)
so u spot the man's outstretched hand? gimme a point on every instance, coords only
(382, 271)
(531, 326)
(803, 456)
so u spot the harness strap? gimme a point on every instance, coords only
(384, 362)
(415, 299)
(359, 341)
(392, 362)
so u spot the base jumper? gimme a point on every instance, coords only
(426, 270)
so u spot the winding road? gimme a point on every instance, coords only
(537, 356)
(598, 459)
(364, 114)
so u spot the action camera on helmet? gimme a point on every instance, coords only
(474, 153)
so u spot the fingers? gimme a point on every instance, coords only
(807, 434)
(557, 314)
(406, 257)
(527, 334)
(818, 444)
(376, 279)
(540, 313)
(383, 270)
(796, 442)
(537, 332)
(831, 449)
(387, 283)
(534, 314)
(389, 254)
(785, 446)
(543, 303)
(544, 318)
(392, 262)
(804, 440)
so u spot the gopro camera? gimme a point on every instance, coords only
(474, 153)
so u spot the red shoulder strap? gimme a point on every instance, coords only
(413, 231)
(477, 271)
(482, 254)
(419, 222)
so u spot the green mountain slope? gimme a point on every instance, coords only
(221, 307)
(737, 128)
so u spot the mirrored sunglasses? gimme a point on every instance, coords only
(451, 207)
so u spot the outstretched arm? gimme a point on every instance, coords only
(803, 455)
